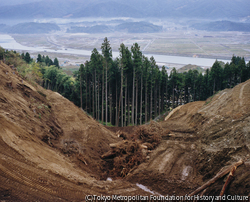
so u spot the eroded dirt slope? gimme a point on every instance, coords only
(205, 137)
(49, 149)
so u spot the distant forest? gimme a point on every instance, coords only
(29, 28)
(130, 89)
(130, 27)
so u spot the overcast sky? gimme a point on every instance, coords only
(13, 2)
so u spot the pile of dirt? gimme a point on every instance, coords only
(205, 138)
(50, 150)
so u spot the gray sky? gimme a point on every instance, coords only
(15, 2)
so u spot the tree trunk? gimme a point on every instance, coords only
(185, 95)
(110, 104)
(162, 98)
(125, 105)
(133, 98)
(90, 99)
(218, 176)
(166, 95)
(81, 88)
(155, 99)
(93, 98)
(128, 107)
(122, 97)
(102, 94)
(194, 94)
(106, 93)
(116, 106)
(159, 100)
(98, 104)
(141, 102)
(146, 101)
(86, 93)
(151, 101)
(214, 87)
(136, 102)
(173, 104)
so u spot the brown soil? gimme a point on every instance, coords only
(51, 150)
(127, 129)
(205, 137)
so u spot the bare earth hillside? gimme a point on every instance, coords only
(206, 137)
(50, 150)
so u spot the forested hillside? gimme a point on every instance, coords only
(130, 89)
(31, 28)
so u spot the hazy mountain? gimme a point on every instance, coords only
(3, 27)
(138, 27)
(32, 28)
(16, 2)
(89, 29)
(130, 27)
(41, 9)
(222, 9)
(108, 9)
(223, 26)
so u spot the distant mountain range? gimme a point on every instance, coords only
(212, 9)
(223, 26)
(29, 28)
(130, 27)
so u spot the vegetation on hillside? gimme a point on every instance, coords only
(30, 28)
(130, 89)
(130, 27)
(186, 68)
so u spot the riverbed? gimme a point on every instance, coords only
(8, 42)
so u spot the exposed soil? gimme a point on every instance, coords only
(127, 129)
(205, 138)
(51, 150)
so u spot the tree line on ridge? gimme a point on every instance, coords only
(131, 89)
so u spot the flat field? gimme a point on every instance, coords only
(179, 43)
(189, 43)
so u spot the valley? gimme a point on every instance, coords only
(52, 150)
(124, 100)
(172, 48)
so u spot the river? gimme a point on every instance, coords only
(8, 42)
